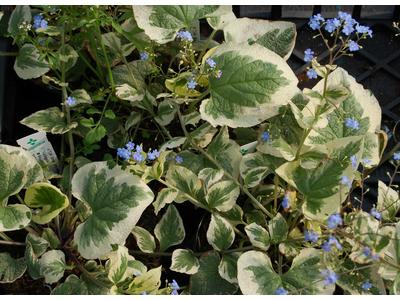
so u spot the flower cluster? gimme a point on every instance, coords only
(353, 124)
(70, 101)
(174, 286)
(308, 55)
(367, 253)
(210, 62)
(126, 153)
(285, 202)
(185, 35)
(334, 220)
(330, 277)
(38, 22)
(281, 291)
(311, 236)
(332, 241)
(315, 21)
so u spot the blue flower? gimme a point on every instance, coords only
(330, 277)
(342, 15)
(144, 55)
(43, 24)
(266, 136)
(285, 202)
(156, 153)
(185, 35)
(353, 46)
(191, 84)
(396, 156)
(349, 20)
(130, 145)
(139, 149)
(366, 286)
(362, 29)
(143, 293)
(375, 257)
(336, 22)
(326, 247)
(41, 43)
(311, 236)
(174, 284)
(151, 156)
(312, 74)
(330, 25)
(347, 29)
(210, 62)
(219, 74)
(138, 157)
(353, 160)
(281, 291)
(174, 292)
(123, 153)
(366, 161)
(178, 159)
(315, 21)
(334, 241)
(367, 251)
(345, 181)
(352, 124)
(375, 213)
(70, 101)
(334, 220)
(308, 55)
(37, 20)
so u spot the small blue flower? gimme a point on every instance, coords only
(191, 84)
(185, 35)
(174, 292)
(311, 236)
(334, 220)
(259, 108)
(312, 74)
(191, 77)
(130, 145)
(353, 160)
(396, 156)
(330, 277)
(174, 284)
(143, 293)
(210, 62)
(330, 26)
(375, 257)
(337, 22)
(178, 159)
(362, 29)
(375, 213)
(70, 101)
(315, 21)
(342, 15)
(352, 124)
(156, 153)
(41, 43)
(43, 24)
(346, 181)
(353, 46)
(144, 55)
(138, 157)
(281, 291)
(366, 286)
(347, 29)
(308, 55)
(266, 136)
(349, 20)
(151, 156)
(366, 161)
(139, 149)
(219, 74)
(334, 241)
(326, 247)
(367, 251)
(285, 202)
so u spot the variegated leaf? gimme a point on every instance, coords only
(148, 282)
(165, 196)
(220, 234)
(258, 236)
(183, 261)
(144, 239)
(170, 230)
(278, 228)
(222, 195)
(227, 269)
(118, 264)
(388, 201)
(27, 65)
(11, 269)
(53, 265)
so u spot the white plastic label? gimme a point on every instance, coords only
(38, 145)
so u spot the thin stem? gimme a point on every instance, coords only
(192, 104)
(91, 68)
(280, 264)
(276, 182)
(106, 56)
(254, 200)
(20, 199)
(206, 45)
(5, 237)
(12, 243)
(31, 231)
(8, 53)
